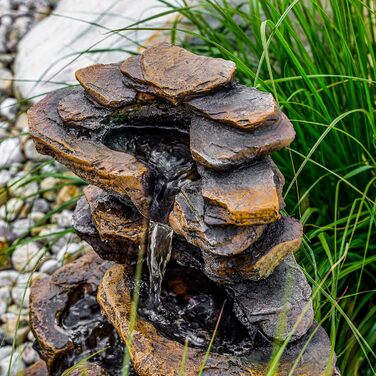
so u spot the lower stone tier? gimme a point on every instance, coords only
(68, 324)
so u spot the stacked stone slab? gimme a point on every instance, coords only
(228, 215)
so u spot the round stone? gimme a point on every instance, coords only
(10, 152)
(26, 257)
(9, 108)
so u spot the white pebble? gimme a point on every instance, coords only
(21, 296)
(49, 266)
(32, 153)
(8, 277)
(9, 108)
(21, 227)
(5, 351)
(26, 257)
(17, 365)
(10, 152)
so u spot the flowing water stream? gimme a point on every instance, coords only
(166, 152)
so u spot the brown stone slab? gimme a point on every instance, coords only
(104, 83)
(219, 146)
(114, 220)
(51, 295)
(187, 220)
(77, 110)
(115, 171)
(176, 73)
(257, 262)
(251, 195)
(155, 355)
(240, 106)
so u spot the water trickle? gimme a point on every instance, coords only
(166, 152)
(158, 256)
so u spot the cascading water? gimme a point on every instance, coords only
(158, 256)
(166, 152)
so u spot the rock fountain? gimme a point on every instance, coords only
(176, 153)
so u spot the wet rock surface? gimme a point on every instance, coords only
(275, 304)
(88, 159)
(154, 354)
(66, 319)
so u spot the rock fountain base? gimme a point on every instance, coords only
(176, 153)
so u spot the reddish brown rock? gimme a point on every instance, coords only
(261, 258)
(51, 295)
(246, 196)
(115, 171)
(240, 106)
(176, 73)
(219, 146)
(187, 219)
(155, 355)
(104, 83)
(77, 110)
(115, 221)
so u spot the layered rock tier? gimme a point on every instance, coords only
(168, 136)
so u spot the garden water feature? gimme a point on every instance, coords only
(176, 155)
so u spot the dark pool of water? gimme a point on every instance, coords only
(91, 332)
(190, 307)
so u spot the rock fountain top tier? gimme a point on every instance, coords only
(175, 139)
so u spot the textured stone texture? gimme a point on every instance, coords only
(257, 262)
(115, 171)
(104, 82)
(219, 146)
(155, 355)
(276, 304)
(246, 196)
(77, 110)
(51, 295)
(241, 106)
(133, 75)
(84, 225)
(115, 221)
(176, 73)
(187, 219)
